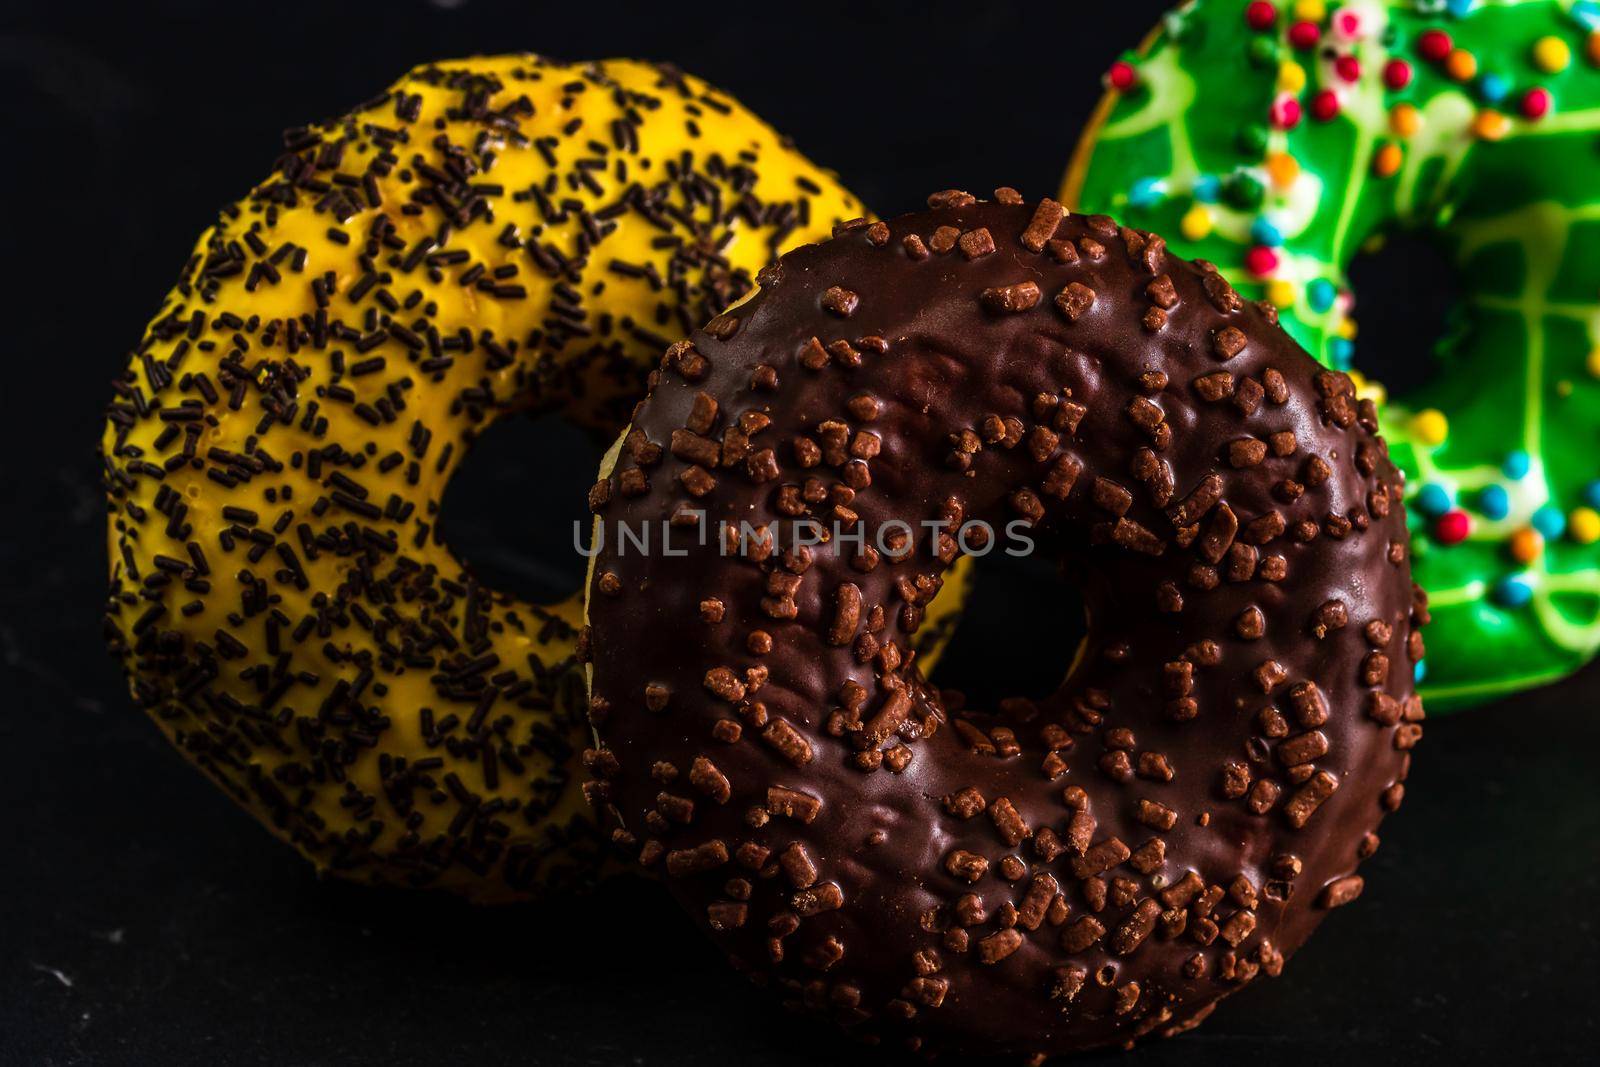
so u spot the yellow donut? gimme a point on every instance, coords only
(489, 235)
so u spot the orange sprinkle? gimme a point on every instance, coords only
(1489, 125)
(1526, 545)
(1461, 64)
(1387, 161)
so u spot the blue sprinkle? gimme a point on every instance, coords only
(1550, 521)
(1434, 500)
(1591, 494)
(1341, 353)
(1586, 14)
(1263, 232)
(1320, 294)
(1516, 465)
(1420, 671)
(1494, 502)
(1493, 87)
(1459, 8)
(1511, 592)
(1146, 192)
(1207, 188)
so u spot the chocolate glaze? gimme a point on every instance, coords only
(1186, 720)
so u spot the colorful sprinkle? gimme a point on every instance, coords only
(1494, 502)
(1526, 545)
(1340, 353)
(1305, 35)
(1261, 15)
(1489, 125)
(1492, 87)
(1461, 65)
(1551, 54)
(1207, 188)
(1419, 671)
(1516, 465)
(1348, 68)
(1285, 112)
(1591, 48)
(1320, 294)
(1122, 75)
(1434, 500)
(1196, 223)
(1263, 232)
(1386, 161)
(1146, 192)
(1452, 527)
(1283, 169)
(1397, 74)
(1583, 525)
(1261, 261)
(1325, 105)
(1459, 8)
(1434, 45)
(1291, 76)
(1512, 591)
(1535, 103)
(1281, 293)
(1586, 13)
(1592, 364)
(1404, 120)
(1311, 10)
(1550, 522)
(1430, 426)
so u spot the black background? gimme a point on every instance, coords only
(144, 920)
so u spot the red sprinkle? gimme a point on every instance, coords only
(1122, 75)
(1325, 105)
(1304, 35)
(1261, 261)
(1452, 527)
(1536, 102)
(1261, 15)
(1286, 113)
(1434, 45)
(1347, 67)
(1397, 74)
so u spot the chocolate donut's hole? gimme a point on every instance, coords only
(1019, 631)
(509, 510)
(1405, 288)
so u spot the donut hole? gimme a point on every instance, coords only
(1019, 632)
(1405, 288)
(509, 510)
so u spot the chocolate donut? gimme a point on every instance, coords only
(1107, 862)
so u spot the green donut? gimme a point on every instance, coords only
(1278, 140)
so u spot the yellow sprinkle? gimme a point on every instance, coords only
(1526, 545)
(1461, 64)
(1386, 163)
(1489, 125)
(1404, 120)
(1591, 48)
(1551, 54)
(1281, 292)
(1196, 223)
(1291, 77)
(1430, 426)
(1583, 525)
(1593, 362)
(1310, 10)
(1347, 328)
(1283, 169)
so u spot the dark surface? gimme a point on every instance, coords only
(144, 920)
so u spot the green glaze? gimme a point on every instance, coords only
(1513, 201)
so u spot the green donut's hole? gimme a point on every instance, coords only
(1405, 291)
(509, 509)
